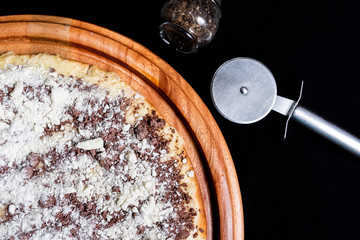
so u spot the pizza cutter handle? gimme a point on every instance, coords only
(327, 129)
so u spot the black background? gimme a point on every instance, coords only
(303, 187)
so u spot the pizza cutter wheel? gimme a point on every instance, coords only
(244, 91)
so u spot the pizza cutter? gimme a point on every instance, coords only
(244, 91)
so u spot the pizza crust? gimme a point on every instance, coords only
(139, 108)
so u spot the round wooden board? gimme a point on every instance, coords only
(164, 88)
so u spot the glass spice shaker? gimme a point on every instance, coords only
(189, 24)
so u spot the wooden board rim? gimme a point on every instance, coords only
(166, 80)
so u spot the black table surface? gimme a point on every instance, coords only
(304, 187)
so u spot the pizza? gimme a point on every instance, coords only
(84, 156)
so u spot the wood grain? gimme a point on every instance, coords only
(164, 88)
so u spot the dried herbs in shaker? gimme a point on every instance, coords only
(189, 24)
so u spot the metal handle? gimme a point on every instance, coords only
(327, 130)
